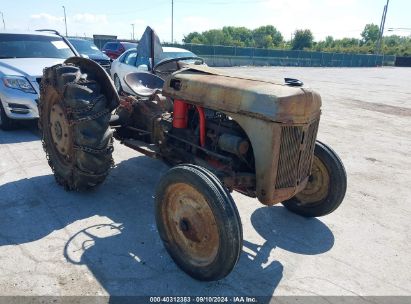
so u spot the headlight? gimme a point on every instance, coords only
(19, 83)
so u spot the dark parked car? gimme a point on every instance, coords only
(114, 49)
(88, 49)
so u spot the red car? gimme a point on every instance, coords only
(114, 49)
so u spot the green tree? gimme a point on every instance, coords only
(267, 37)
(302, 39)
(348, 42)
(196, 40)
(370, 33)
(216, 37)
(193, 36)
(329, 41)
(240, 36)
(393, 41)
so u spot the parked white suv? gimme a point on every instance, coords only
(23, 56)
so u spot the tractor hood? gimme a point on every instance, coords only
(212, 88)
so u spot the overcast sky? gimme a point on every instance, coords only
(344, 18)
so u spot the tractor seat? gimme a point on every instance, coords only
(143, 84)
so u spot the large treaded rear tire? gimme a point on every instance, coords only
(77, 140)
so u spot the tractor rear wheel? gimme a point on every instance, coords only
(74, 121)
(198, 222)
(326, 187)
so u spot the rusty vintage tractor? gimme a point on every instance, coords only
(220, 133)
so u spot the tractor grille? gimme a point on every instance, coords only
(289, 154)
(308, 151)
(296, 150)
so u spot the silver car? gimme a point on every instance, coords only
(23, 56)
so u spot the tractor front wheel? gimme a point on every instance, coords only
(326, 186)
(198, 222)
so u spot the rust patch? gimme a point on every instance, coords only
(60, 130)
(190, 223)
(259, 99)
(318, 184)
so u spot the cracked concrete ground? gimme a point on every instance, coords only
(105, 242)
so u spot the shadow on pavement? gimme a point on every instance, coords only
(25, 131)
(121, 246)
(283, 229)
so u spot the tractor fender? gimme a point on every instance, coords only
(91, 67)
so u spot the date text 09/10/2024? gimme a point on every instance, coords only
(205, 299)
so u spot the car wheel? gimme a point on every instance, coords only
(6, 123)
(117, 84)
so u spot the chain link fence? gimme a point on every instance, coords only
(217, 55)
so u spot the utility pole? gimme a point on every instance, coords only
(65, 19)
(2, 17)
(132, 25)
(382, 24)
(172, 21)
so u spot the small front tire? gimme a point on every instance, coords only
(326, 187)
(198, 222)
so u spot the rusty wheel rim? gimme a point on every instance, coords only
(60, 130)
(317, 186)
(190, 224)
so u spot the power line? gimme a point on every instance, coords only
(399, 29)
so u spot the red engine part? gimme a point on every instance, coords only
(180, 118)
(202, 125)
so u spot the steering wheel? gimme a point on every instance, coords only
(167, 61)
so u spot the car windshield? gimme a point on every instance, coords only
(168, 55)
(33, 46)
(85, 47)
